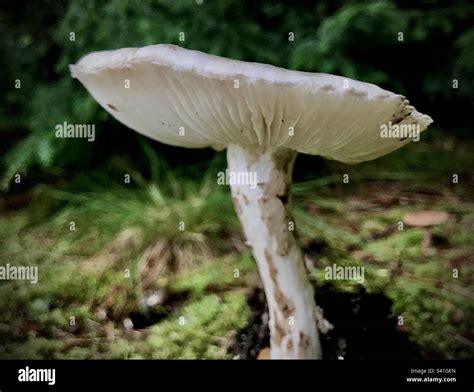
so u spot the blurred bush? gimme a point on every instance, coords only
(357, 39)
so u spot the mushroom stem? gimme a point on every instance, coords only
(263, 208)
(426, 249)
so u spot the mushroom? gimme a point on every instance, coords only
(264, 116)
(426, 220)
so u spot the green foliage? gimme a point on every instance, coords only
(464, 63)
(204, 331)
(354, 32)
(107, 208)
(222, 273)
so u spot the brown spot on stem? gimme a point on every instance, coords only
(287, 309)
(283, 303)
(237, 206)
(398, 120)
(279, 331)
(289, 345)
(284, 245)
(112, 107)
(271, 267)
(246, 199)
(275, 199)
(304, 341)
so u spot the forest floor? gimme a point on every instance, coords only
(164, 272)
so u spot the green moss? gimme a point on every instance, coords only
(227, 271)
(201, 331)
(403, 244)
(373, 228)
(33, 348)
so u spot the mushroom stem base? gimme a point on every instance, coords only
(262, 204)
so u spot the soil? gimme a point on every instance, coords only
(364, 327)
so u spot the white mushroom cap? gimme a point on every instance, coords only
(191, 99)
